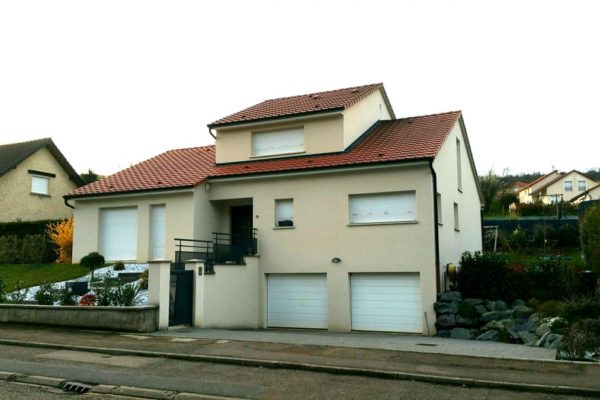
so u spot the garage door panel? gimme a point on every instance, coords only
(386, 302)
(297, 300)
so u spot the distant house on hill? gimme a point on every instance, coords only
(34, 176)
(555, 187)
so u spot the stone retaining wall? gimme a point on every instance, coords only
(131, 319)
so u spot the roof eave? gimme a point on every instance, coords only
(275, 118)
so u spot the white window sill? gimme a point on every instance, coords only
(267, 156)
(382, 223)
(39, 194)
(283, 227)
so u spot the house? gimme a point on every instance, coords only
(329, 213)
(516, 187)
(592, 193)
(556, 187)
(34, 176)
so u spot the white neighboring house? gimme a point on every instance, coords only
(556, 187)
(592, 193)
(316, 211)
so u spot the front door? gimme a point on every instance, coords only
(241, 222)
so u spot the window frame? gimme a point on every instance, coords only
(439, 208)
(570, 189)
(456, 218)
(458, 165)
(277, 220)
(413, 199)
(46, 179)
(579, 189)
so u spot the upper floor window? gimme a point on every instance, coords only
(568, 186)
(439, 208)
(40, 185)
(581, 186)
(383, 207)
(284, 141)
(284, 213)
(458, 165)
(456, 220)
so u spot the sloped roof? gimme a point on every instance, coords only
(562, 176)
(416, 138)
(13, 154)
(585, 193)
(331, 100)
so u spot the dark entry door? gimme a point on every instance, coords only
(241, 222)
(181, 295)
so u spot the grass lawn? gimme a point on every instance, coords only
(34, 274)
(532, 256)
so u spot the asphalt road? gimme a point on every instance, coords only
(222, 380)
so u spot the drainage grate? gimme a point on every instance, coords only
(75, 387)
(427, 344)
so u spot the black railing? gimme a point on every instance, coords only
(226, 248)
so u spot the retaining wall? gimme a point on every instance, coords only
(132, 319)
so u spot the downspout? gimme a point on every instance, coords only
(67, 203)
(436, 233)
(211, 134)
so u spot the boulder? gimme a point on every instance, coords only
(445, 308)
(533, 322)
(528, 338)
(542, 329)
(481, 309)
(445, 321)
(494, 315)
(550, 341)
(517, 303)
(474, 302)
(491, 335)
(466, 322)
(444, 333)
(462, 333)
(449, 297)
(522, 311)
(498, 305)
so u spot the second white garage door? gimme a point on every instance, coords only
(386, 302)
(297, 301)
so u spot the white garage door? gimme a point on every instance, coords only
(386, 302)
(297, 301)
(118, 233)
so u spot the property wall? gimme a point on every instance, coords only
(179, 209)
(18, 203)
(322, 231)
(362, 115)
(132, 319)
(558, 187)
(215, 307)
(321, 135)
(453, 243)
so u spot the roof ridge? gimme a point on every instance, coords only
(46, 139)
(189, 148)
(379, 84)
(429, 115)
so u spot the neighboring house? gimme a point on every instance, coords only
(352, 214)
(592, 193)
(517, 186)
(556, 187)
(34, 176)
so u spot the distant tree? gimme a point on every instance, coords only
(89, 177)
(491, 186)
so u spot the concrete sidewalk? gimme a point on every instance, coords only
(377, 341)
(384, 356)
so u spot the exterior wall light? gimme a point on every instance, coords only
(336, 260)
(207, 187)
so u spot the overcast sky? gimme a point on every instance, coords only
(116, 82)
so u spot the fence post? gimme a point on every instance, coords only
(159, 277)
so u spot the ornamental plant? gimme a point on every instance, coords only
(87, 300)
(61, 234)
(590, 237)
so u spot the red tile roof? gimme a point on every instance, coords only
(303, 104)
(388, 141)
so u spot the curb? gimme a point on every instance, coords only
(127, 391)
(337, 370)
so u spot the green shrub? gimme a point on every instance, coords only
(581, 337)
(549, 309)
(581, 307)
(590, 237)
(543, 235)
(104, 289)
(19, 295)
(568, 236)
(65, 298)
(33, 249)
(551, 278)
(119, 266)
(144, 281)
(9, 249)
(557, 324)
(92, 260)
(2, 291)
(126, 295)
(28, 249)
(46, 294)
(518, 239)
(467, 310)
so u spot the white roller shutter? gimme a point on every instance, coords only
(118, 234)
(386, 302)
(157, 232)
(297, 301)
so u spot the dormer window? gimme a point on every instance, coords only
(283, 141)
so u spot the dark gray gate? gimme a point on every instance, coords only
(181, 296)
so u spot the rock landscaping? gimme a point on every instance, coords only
(492, 320)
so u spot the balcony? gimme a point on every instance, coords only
(225, 248)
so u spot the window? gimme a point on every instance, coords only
(568, 186)
(283, 141)
(439, 209)
(284, 213)
(40, 185)
(456, 222)
(458, 165)
(581, 186)
(383, 208)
